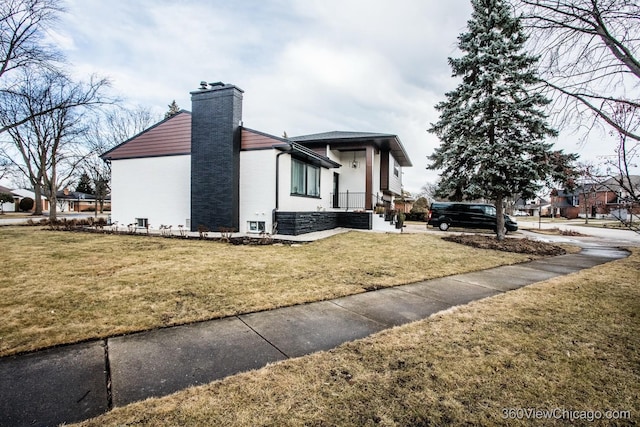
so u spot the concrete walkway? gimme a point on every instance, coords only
(76, 382)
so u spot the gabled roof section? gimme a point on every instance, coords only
(253, 139)
(169, 137)
(337, 138)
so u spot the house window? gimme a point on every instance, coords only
(142, 222)
(256, 226)
(305, 179)
(396, 168)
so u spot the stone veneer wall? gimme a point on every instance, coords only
(295, 223)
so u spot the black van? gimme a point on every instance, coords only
(467, 215)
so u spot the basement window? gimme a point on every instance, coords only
(256, 227)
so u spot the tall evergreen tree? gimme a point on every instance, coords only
(173, 110)
(492, 127)
(84, 184)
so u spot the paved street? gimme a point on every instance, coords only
(612, 237)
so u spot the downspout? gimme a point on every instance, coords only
(273, 214)
(278, 178)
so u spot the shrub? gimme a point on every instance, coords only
(26, 204)
(417, 216)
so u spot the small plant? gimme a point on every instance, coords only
(131, 228)
(203, 231)
(225, 233)
(165, 230)
(400, 220)
(100, 223)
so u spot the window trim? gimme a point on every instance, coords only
(306, 166)
(257, 229)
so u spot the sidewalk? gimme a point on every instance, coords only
(76, 382)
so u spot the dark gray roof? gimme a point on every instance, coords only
(336, 138)
(339, 135)
(74, 195)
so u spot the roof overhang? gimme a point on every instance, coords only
(347, 141)
(310, 156)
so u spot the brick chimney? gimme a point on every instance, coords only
(216, 115)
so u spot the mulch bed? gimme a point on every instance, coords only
(521, 246)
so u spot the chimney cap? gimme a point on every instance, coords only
(214, 84)
(203, 85)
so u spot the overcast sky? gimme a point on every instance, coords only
(306, 66)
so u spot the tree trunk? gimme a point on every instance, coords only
(500, 229)
(37, 191)
(53, 195)
(53, 206)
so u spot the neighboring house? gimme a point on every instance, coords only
(76, 201)
(594, 199)
(404, 204)
(204, 169)
(22, 193)
(533, 207)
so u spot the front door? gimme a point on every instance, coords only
(336, 190)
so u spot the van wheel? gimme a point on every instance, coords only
(444, 226)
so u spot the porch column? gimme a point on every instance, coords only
(368, 202)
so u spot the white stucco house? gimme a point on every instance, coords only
(204, 168)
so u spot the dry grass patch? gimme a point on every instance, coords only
(571, 343)
(63, 287)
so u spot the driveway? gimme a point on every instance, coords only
(593, 236)
(597, 235)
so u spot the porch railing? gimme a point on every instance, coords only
(351, 200)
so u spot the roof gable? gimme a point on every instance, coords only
(170, 137)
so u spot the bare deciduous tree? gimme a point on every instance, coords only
(46, 147)
(589, 54)
(619, 167)
(23, 24)
(22, 27)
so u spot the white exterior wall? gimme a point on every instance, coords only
(258, 187)
(375, 189)
(395, 182)
(157, 188)
(351, 179)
